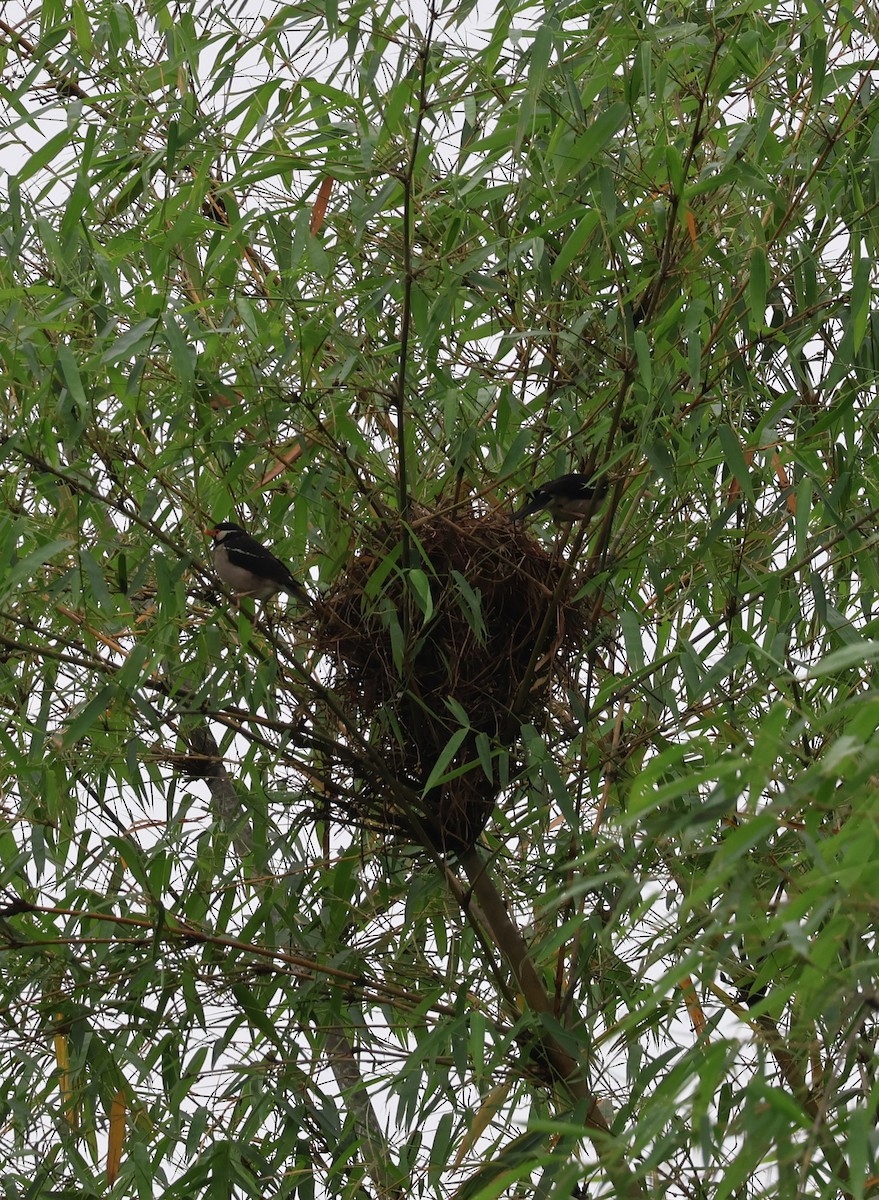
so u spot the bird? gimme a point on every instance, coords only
(248, 567)
(568, 498)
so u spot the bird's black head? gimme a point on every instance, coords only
(224, 527)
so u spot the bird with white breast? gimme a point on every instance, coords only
(568, 498)
(248, 567)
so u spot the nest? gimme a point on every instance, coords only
(465, 667)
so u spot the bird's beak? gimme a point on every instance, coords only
(211, 533)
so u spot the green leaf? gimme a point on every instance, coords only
(574, 243)
(86, 717)
(758, 286)
(448, 752)
(642, 351)
(70, 374)
(471, 605)
(858, 654)
(589, 145)
(27, 567)
(861, 301)
(735, 459)
(541, 52)
(256, 1014)
(43, 155)
(420, 585)
(139, 337)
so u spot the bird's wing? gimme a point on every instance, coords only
(247, 552)
(575, 487)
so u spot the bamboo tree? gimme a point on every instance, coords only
(359, 279)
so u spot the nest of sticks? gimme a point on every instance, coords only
(445, 666)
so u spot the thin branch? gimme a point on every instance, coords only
(408, 180)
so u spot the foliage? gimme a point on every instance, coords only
(331, 269)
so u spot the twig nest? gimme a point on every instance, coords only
(446, 660)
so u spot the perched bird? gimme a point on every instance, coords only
(248, 567)
(568, 498)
